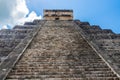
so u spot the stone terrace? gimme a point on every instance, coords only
(105, 41)
(12, 43)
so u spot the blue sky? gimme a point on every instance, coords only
(105, 13)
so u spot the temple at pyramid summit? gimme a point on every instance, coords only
(59, 47)
(58, 14)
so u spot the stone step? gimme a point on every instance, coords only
(12, 36)
(45, 62)
(40, 65)
(29, 23)
(44, 76)
(93, 78)
(101, 75)
(59, 77)
(38, 75)
(53, 60)
(59, 67)
(26, 68)
(13, 31)
(24, 27)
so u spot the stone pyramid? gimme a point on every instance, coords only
(59, 48)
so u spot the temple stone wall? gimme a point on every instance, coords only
(58, 15)
(59, 18)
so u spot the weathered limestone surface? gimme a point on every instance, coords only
(107, 42)
(10, 38)
(9, 60)
(59, 52)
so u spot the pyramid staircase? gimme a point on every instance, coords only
(105, 41)
(59, 50)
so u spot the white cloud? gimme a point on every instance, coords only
(14, 12)
(4, 27)
(30, 18)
